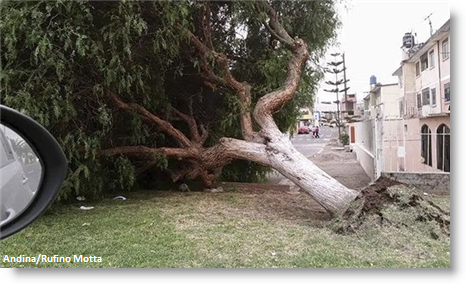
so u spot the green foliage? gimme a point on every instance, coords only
(61, 59)
(344, 139)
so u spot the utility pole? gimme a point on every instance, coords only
(345, 81)
(338, 107)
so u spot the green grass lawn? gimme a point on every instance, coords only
(236, 228)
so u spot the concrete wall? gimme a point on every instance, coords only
(409, 90)
(429, 182)
(364, 146)
(390, 98)
(366, 160)
(393, 146)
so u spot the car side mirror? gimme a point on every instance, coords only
(32, 170)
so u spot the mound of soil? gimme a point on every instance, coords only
(389, 203)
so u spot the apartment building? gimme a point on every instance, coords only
(424, 81)
(406, 126)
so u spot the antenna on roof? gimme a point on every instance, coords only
(430, 24)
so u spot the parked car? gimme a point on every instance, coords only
(304, 130)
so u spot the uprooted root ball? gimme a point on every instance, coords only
(390, 203)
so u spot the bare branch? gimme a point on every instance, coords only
(204, 133)
(243, 90)
(244, 150)
(274, 26)
(272, 102)
(274, 34)
(162, 124)
(189, 119)
(207, 28)
(144, 152)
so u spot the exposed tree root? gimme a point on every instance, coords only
(390, 203)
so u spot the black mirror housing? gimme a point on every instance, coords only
(54, 165)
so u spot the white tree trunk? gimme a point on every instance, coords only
(281, 155)
(326, 190)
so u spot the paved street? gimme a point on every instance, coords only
(308, 145)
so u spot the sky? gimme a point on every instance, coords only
(371, 37)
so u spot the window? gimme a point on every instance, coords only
(402, 108)
(425, 97)
(418, 69)
(426, 145)
(433, 95)
(445, 49)
(446, 87)
(419, 103)
(443, 148)
(431, 59)
(424, 62)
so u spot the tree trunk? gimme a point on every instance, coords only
(281, 155)
(326, 190)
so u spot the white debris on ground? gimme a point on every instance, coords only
(86, 207)
(120, 198)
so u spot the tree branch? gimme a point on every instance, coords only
(189, 119)
(274, 26)
(204, 133)
(144, 152)
(162, 124)
(207, 28)
(243, 90)
(274, 34)
(272, 102)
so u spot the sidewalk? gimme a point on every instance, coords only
(339, 164)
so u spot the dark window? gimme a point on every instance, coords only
(418, 69)
(447, 91)
(443, 148)
(402, 108)
(433, 94)
(426, 145)
(419, 102)
(425, 97)
(424, 62)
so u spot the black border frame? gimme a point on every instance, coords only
(54, 163)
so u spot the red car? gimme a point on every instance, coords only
(304, 130)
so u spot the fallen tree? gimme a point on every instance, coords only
(267, 145)
(145, 79)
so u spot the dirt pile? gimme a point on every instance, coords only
(390, 203)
